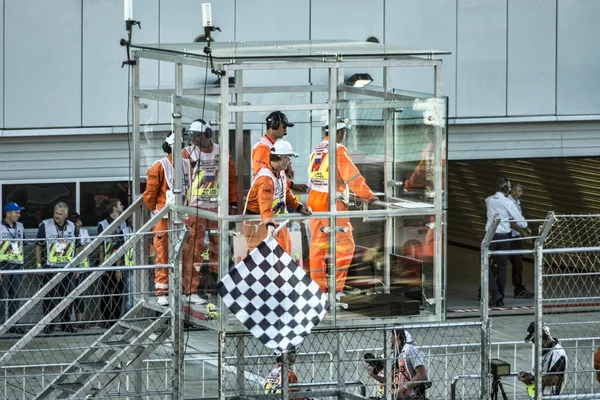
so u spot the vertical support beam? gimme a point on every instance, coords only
(389, 360)
(485, 312)
(389, 163)
(239, 135)
(223, 210)
(439, 264)
(176, 225)
(177, 326)
(341, 382)
(222, 366)
(141, 278)
(333, 98)
(538, 259)
(285, 379)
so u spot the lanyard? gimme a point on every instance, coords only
(61, 233)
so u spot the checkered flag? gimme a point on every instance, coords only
(273, 297)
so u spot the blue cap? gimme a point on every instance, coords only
(12, 206)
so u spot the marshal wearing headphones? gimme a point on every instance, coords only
(275, 119)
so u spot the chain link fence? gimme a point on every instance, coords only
(334, 362)
(81, 319)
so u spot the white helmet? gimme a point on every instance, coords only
(283, 148)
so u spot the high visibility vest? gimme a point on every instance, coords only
(263, 141)
(112, 244)
(549, 358)
(84, 239)
(186, 178)
(318, 172)
(11, 243)
(205, 179)
(60, 245)
(272, 383)
(128, 253)
(280, 184)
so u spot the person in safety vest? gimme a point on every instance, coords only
(84, 239)
(554, 364)
(269, 196)
(409, 374)
(159, 192)
(111, 282)
(203, 194)
(12, 234)
(272, 383)
(277, 124)
(55, 248)
(347, 177)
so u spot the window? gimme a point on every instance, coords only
(93, 194)
(38, 199)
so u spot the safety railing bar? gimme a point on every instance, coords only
(83, 269)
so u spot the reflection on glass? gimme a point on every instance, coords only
(39, 200)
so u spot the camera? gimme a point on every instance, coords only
(499, 367)
(376, 362)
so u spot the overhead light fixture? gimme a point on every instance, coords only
(359, 80)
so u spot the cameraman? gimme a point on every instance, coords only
(410, 379)
(554, 364)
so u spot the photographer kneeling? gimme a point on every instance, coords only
(410, 379)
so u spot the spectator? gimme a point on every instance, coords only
(84, 239)
(12, 234)
(55, 249)
(111, 281)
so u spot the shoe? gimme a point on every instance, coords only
(522, 293)
(496, 301)
(193, 299)
(339, 295)
(162, 301)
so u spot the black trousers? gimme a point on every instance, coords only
(517, 264)
(112, 299)
(498, 263)
(57, 294)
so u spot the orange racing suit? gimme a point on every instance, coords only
(347, 176)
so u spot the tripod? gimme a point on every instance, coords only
(497, 383)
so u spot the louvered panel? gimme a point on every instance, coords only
(565, 186)
(73, 157)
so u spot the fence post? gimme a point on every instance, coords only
(538, 258)
(483, 304)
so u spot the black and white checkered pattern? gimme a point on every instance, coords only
(273, 297)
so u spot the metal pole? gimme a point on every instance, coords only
(389, 361)
(485, 316)
(222, 366)
(285, 383)
(239, 135)
(389, 157)
(241, 366)
(333, 85)
(439, 195)
(341, 382)
(538, 301)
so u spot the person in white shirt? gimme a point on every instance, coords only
(499, 204)
(515, 260)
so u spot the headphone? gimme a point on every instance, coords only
(502, 185)
(274, 121)
(166, 146)
(207, 131)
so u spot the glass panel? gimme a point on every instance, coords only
(39, 200)
(94, 194)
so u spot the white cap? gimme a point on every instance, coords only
(283, 148)
(338, 126)
(198, 127)
(170, 140)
